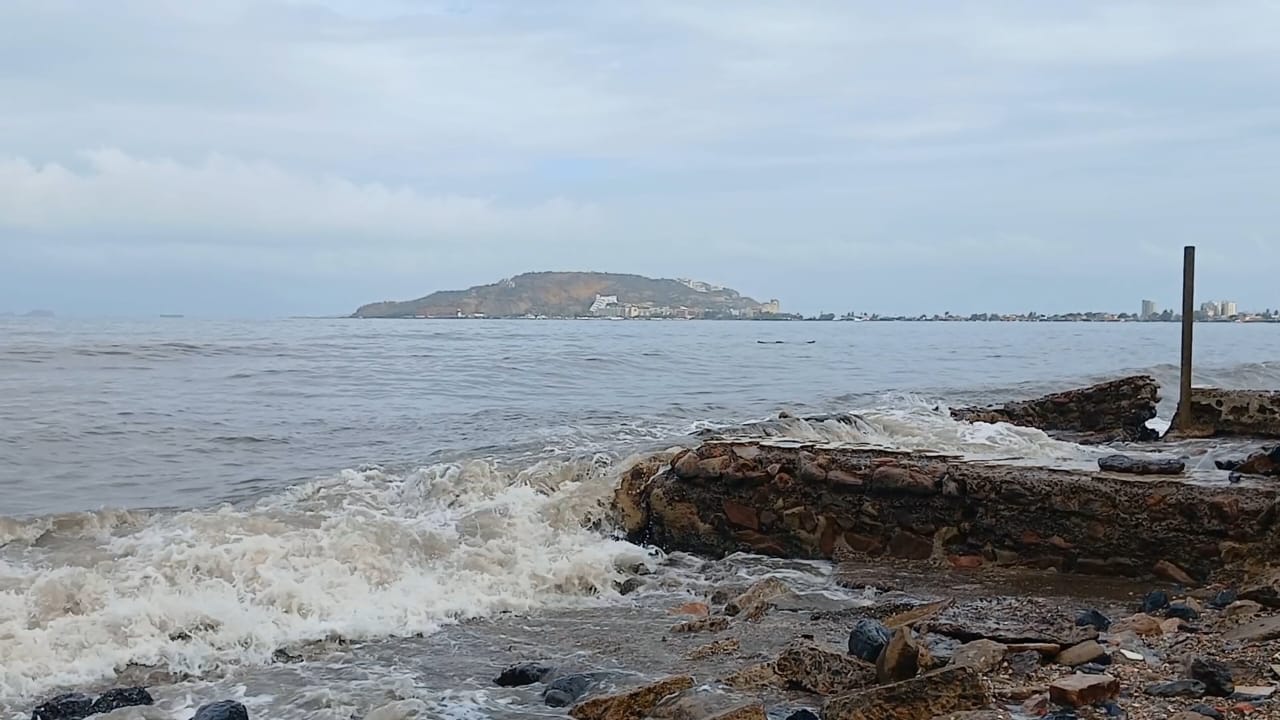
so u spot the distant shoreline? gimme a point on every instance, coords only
(1053, 319)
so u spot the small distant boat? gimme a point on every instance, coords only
(170, 315)
(781, 342)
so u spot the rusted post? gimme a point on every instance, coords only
(1183, 417)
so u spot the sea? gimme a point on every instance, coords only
(337, 518)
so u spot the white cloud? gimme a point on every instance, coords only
(246, 203)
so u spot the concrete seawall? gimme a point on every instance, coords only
(813, 501)
(1223, 413)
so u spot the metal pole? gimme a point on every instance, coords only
(1188, 322)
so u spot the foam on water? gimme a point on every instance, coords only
(365, 554)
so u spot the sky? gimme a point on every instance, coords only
(279, 157)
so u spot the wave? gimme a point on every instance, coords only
(365, 554)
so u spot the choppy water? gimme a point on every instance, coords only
(194, 496)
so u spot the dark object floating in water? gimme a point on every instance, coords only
(112, 700)
(782, 342)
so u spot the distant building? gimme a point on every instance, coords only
(773, 307)
(1209, 309)
(1228, 309)
(1149, 310)
(602, 302)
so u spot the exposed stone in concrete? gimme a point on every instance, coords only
(1107, 412)
(1067, 520)
(1215, 412)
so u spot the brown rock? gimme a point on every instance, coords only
(965, 562)
(864, 544)
(888, 479)
(1265, 590)
(1172, 573)
(981, 655)
(1082, 654)
(711, 649)
(1115, 410)
(697, 609)
(1170, 626)
(630, 705)
(707, 624)
(1242, 608)
(741, 515)
(1036, 705)
(820, 670)
(754, 677)
(1080, 690)
(1257, 631)
(900, 658)
(759, 594)
(916, 614)
(714, 467)
(753, 711)
(952, 689)
(1188, 715)
(1141, 624)
(1046, 649)
(705, 706)
(910, 546)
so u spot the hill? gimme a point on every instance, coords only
(576, 294)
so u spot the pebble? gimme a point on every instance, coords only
(1154, 601)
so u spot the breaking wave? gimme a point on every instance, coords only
(365, 554)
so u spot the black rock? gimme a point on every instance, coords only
(1208, 711)
(1235, 477)
(72, 706)
(1141, 466)
(1061, 715)
(630, 585)
(941, 647)
(122, 698)
(1182, 611)
(803, 715)
(1092, 668)
(222, 710)
(1154, 601)
(1024, 664)
(1094, 619)
(522, 674)
(1223, 599)
(1215, 675)
(868, 638)
(1113, 710)
(563, 692)
(1178, 688)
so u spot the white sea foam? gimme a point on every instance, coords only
(362, 555)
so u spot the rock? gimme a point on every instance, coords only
(630, 705)
(1207, 711)
(1255, 692)
(867, 639)
(707, 624)
(1224, 599)
(222, 710)
(803, 714)
(1116, 410)
(564, 691)
(71, 706)
(1173, 573)
(900, 659)
(1141, 466)
(1265, 590)
(916, 614)
(1263, 462)
(523, 674)
(758, 594)
(1094, 619)
(1085, 652)
(1141, 624)
(1171, 626)
(706, 706)
(711, 649)
(1155, 601)
(1092, 668)
(121, 698)
(923, 697)
(1187, 715)
(696, 609)
(1177, 688)
(1257, 631)
(805, 664)
(1024, 664)
(399, 710)
(1182, 611)
(1242, 608)
(750, 711)
(755, 677)
(1036, 705)
(1083, 690)
(1215, 675)
(982, 655)
(630, 586)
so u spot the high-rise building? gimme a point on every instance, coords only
(1228, 309)
(1149, 310)
(1209, 309)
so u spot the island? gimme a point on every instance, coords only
(540, 295)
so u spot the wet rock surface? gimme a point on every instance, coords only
(71, 706)
(1214, 412)
(523, 674)
(222, 710)
(1130, 465)
(1112, 411)
(868, 639)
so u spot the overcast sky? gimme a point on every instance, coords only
(274, 157)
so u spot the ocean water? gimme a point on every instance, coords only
(405, 505)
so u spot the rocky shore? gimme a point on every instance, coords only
(966, 590)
